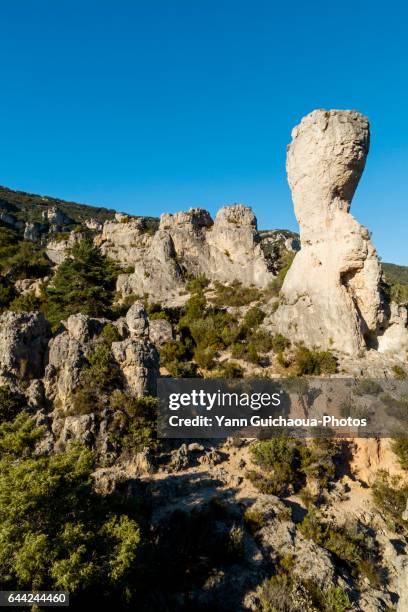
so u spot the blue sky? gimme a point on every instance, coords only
(158, 105)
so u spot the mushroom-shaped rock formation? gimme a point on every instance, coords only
(331, 295)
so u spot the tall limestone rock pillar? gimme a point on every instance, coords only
(331, 295)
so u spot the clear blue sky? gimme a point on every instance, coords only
(160, 105)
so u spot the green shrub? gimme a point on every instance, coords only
(261, 341)
(254, 317)
(98, 378)
(7, 294)
(235, 294)
(279, 459)
(279, 343)
(285, 592)
(311, 362)
(399, 372)
(351, 544)
(139, 430)
(283, 265)
(57, 533)
(395, 407)
(173, 351)
(20, 258)
(231, 370)
(286, 461)
(26, 302)
(390, 495)
(204, 356)
(400, 448)
(197, 284)
(399, 293)
(367, 387)
(10, 404)
(110, 334)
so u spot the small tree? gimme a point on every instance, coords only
(84, 282)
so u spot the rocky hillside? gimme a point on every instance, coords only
(94, 309)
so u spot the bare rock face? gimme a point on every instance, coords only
(156, 270)
(331, 295)
(187, 243)
(23, 344)
(402, 583)
(161, 331)
(66, 356)
(394, 340)
(136, 356)
(235, 250)
(58, 249)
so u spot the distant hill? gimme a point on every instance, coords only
(395, 274)
(28, 207)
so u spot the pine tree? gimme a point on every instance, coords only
(84, 282)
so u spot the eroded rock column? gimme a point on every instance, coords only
(331, 295)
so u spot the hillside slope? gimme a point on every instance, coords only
(29, 207)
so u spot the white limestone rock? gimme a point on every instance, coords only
(331, 296)
(23, 343)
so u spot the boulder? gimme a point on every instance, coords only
(23, 343)
(81, 428)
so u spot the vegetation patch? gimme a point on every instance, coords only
(288, 463)
(351, 544)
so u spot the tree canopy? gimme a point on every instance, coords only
(84, 282)
(56, 532)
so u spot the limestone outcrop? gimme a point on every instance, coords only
(66, 356)
(23, 344)
(187, 243)
(331, 296)
(136, 356)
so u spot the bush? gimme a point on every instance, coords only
(204, 356)
(7, 294)
(98, 378)
(287, 462)
(399, 372)
(283, 265)
(26, 302)
(279, 343)
(231, 370)
(110, 334)
(10, 405)
(197, 284)
(57, 533)
(367, 387)
(288, 593)
(396, 408)
(312, 362)
(235, 294)
(390, 496)
(173, 350)
(20, 258)
(400, 448)
(279, 459)
(254, 317)
(351, 544)
(139, 430)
